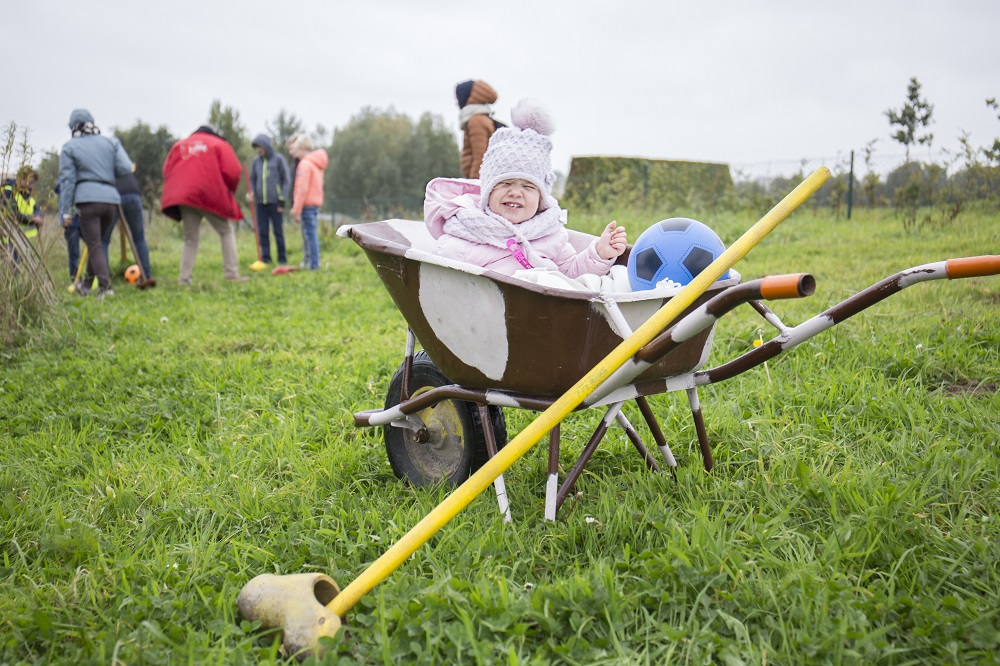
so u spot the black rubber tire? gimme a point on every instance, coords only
(456, 447)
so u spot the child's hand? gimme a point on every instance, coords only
(612, 242)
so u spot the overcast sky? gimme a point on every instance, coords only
(738, 82)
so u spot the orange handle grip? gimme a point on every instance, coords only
(793, 285)
(988, 264)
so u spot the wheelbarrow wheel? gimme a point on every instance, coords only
(451, 445)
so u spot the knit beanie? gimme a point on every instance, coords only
(522, 151)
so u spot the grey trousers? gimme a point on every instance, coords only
(191, 219)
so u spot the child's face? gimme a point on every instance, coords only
(515, 200)
(260, 151)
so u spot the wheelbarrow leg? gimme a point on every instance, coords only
(588, 451)
(633, 436)
(769, 316)
(699, 426)
(552, 485)
(411, 343)
(654, 428)
(491, 449)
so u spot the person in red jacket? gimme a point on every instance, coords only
(200, 178)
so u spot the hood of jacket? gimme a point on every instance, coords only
(317, 157)
(474, 92)
(482, 93)
(79, 116)
(264, 141)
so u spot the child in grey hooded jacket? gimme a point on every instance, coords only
(269, 179)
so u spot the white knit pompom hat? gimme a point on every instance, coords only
(523, 151)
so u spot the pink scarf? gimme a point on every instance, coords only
(488, 228)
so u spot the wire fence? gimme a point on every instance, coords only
(842, 161)
(747, 177)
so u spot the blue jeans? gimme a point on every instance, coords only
(72, 236)
(132, 205)
(310, 221)
(269, 216)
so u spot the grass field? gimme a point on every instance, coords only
(163, 447)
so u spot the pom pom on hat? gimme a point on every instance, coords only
(523, 151)
(530, 114)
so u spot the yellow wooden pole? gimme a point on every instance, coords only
(380, 569)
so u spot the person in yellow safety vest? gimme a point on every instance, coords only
(16, 197)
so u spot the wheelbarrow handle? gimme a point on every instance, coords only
(793, 285)
(773, 287)
(965, 267)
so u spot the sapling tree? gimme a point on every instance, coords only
(915, 115)
(993, 153)
(980, 179)
(911, 119)
(27, 297)
(872, 179)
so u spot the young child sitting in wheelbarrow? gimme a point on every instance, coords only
(508, 220)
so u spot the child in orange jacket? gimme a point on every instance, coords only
(308, 194)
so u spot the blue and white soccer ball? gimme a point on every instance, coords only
(676, 249)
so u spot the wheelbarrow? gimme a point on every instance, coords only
(492, 341)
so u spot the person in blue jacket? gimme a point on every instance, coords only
(269, 178)
(88, 166)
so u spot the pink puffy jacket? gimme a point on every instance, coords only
(309, 181)
(446, 196)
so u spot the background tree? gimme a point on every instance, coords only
(285, 126)
(380, 162)
(48, 176)
(148, 150)
(431, 151)
(227, 123)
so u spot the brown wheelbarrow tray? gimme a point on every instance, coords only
(492, 341)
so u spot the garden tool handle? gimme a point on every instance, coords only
(419, 534)
(988, 264)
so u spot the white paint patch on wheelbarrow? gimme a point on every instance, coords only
(468, 315)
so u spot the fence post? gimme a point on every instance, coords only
(850, 188)
(645, 184)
